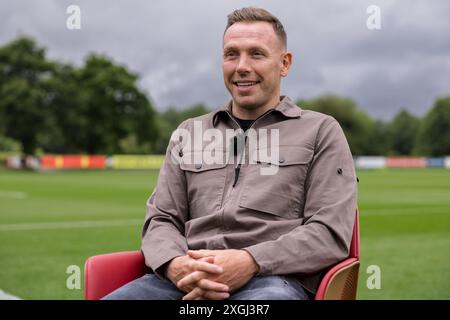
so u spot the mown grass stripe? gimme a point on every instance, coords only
(70, 225)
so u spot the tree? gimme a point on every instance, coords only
(378, 138)
(112, 108)
(170, 119)
(65, 121)
(23, 112)
(401, 134)
(358, 127)
(9, 145)
(58, 108)
(434, 135)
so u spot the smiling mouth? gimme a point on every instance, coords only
(245, 83)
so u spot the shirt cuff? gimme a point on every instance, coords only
(259, 254)
(159, 264)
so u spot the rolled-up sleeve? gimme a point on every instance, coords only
(167, 211)
(329, 212)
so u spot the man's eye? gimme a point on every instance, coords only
(257, 54)
(230, 54)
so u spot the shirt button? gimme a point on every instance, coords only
(180, 153)
(281, 160)
(198, 166)
(339, 171)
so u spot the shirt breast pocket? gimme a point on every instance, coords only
(205, 186)
(277, 187)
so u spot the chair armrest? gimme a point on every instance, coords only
(106, 272)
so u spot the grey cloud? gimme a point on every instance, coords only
(175, 46)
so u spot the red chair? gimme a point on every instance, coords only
(341, 281)
(106, 272)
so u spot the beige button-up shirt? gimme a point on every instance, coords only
(294, 218)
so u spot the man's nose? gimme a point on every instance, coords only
(243, 65)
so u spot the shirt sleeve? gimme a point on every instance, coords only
(167, 211)
(329, 212)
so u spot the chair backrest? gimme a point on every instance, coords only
(106, 272)
(354, 245)
(341, 281)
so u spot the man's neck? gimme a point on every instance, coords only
(252, 114)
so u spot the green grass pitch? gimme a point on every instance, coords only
(46, 224)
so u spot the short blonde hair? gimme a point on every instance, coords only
(252, 14)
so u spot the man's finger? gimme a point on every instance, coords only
(196, 254)
(191, 278)
(199, 294)
(213, 295)
(208, 259)
(194, 294)
(209, 285)
(207, 267)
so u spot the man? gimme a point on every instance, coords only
(224, 230)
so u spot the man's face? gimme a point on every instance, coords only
(254, 60)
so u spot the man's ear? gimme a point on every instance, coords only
(286, 60)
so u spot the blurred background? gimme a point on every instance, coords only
(90, 92)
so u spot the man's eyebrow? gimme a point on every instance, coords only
(229, 48)
(253, 48)
(258, 48)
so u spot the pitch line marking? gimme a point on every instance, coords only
(12, 194)
(6, 296)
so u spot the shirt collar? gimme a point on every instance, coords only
(286, 107)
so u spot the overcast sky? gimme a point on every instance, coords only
(175, 46)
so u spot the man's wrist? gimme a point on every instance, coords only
(165, 269)
(254, 265)
(169, 265)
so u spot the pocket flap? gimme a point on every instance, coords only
(194, 162)
(287, 155)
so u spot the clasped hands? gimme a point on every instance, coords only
(211, 274)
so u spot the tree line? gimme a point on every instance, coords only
(48, 106)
